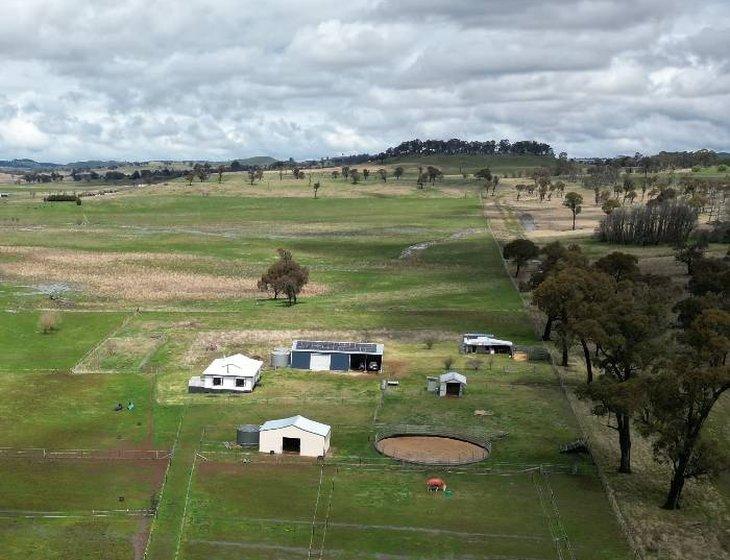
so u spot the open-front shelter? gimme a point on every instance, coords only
(452, 384)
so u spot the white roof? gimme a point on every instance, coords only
(237, 365)
(451, 377)
(485, 341)
(298, 422)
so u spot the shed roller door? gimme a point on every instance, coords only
(320, 362)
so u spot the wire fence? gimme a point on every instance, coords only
(549, 506)
(32, 514)
(394, 443)
(420, 430)
(378, 462)
(42, 453)
(631, 537)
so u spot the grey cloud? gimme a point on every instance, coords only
(138, 79)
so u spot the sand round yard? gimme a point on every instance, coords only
(431, 450)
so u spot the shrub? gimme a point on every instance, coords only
(48, 322)
(448, 362)
(63, 198)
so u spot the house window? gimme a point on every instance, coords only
(240, 382)
(217, 381)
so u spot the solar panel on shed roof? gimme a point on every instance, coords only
(330, 346)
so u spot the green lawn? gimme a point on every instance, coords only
(261, 509)
(24, 348)
(68, 493)
(352, 241)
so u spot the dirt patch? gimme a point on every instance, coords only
(210, 344)
(539, 220)
(413, 250)
(139, 540)
(431, 450)
(132, 276)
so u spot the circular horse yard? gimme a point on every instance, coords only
(432, 449)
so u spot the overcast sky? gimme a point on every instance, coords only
(219, 79)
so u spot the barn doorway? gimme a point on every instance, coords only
(453, 389)
(291, 445)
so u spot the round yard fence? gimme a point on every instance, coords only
(428, 446)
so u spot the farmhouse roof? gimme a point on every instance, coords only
(476, 339)
(452, 377)
(298, 422)
(237, 365)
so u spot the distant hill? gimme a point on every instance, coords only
(261, 161)
(93, 164)
(26, 165)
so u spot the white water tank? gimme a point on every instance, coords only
(279, 358)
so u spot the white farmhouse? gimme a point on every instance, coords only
(234, 374)
(482, 343)
(296, 434)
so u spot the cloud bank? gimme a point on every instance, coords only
(219, 79)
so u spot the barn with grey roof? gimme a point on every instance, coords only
(325, 355)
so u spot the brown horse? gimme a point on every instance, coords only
(435, 484)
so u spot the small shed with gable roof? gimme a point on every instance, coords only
(297, 435)
(451, 384)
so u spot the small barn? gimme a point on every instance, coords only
(233, 374)
(482, 343)
(320, 355)
(452, 384)
(297, 435)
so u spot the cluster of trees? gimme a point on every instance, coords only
(456, 146)
(145, 175)
(355, 175)
(662, 161)
(51, 177)
(542, 184)
(661, 368)
(428, 175)
(663, 221)
(285, 277)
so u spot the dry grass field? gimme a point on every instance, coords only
(131, 277)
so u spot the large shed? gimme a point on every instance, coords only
(233, 374)
(297, 435)
(452, 384)
(323, 355)
(483, 343)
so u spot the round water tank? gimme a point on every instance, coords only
(247, 434)
(279, 358)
